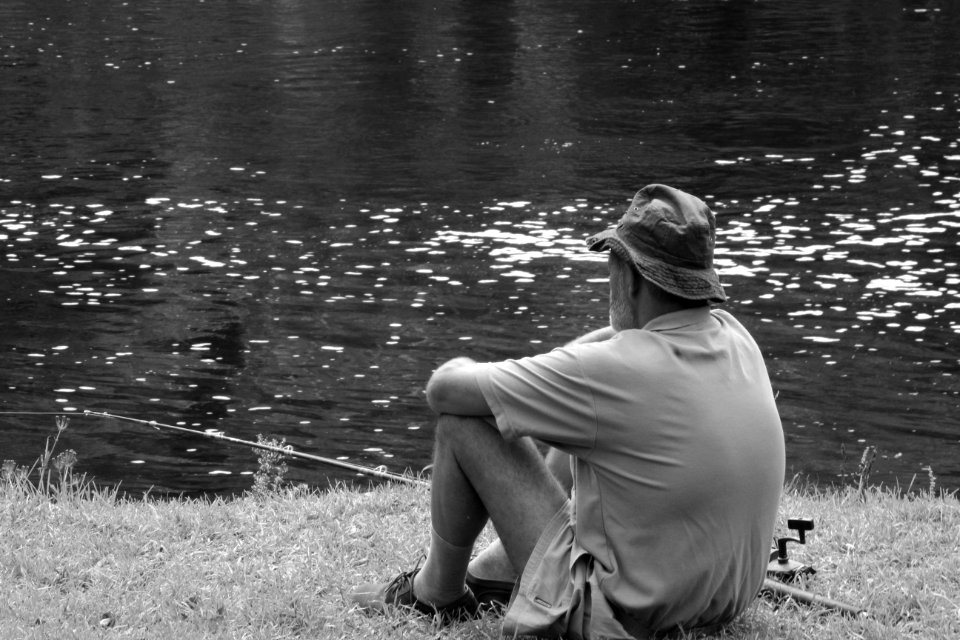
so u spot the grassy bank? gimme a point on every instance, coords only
(86, 564)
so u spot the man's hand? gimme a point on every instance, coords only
(453, 389)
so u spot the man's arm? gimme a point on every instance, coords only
(453, 389)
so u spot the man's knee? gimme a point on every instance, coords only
(453, 430)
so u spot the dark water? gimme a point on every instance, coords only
(279, 217)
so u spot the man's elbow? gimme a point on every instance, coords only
(453, 389)
(442, 392)
(435, 396)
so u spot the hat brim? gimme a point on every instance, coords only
(691, 284)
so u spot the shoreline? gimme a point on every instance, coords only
(88, 564)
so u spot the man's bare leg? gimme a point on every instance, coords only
(477, 474)
(493, 563)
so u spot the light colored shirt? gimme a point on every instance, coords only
(678, 459)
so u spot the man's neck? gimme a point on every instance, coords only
(650, 306)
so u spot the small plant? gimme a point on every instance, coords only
(269, 476)
(13, 475)
(866, 466)
(55, 475)
(843, 463)
(44, 482)
(932, 487)
(63, 463)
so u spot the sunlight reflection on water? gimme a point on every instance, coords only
(805, 263)
(284, 231)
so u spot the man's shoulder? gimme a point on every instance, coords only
(733, 325)
(725, 316)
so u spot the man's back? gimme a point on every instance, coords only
(679, 460)
(678, 449)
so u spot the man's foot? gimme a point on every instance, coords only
(490, 592)
(398, 593)
(495, 587)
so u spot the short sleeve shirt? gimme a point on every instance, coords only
(678, 459)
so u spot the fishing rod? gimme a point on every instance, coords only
(780, 571)
(782, 590)
(219, 435)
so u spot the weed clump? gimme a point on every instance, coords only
(54, 474)
(270, 476)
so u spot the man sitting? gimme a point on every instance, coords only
(665, 440)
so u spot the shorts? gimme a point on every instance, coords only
(559, 594)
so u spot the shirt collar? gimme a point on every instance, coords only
(679, 319)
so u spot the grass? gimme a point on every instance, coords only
(77, 562)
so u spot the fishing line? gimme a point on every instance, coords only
(219, 435)
(285, 450)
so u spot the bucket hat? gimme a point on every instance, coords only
(669, 236)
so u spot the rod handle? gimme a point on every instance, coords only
(806, 597)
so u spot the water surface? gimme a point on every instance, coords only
(278, 217)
